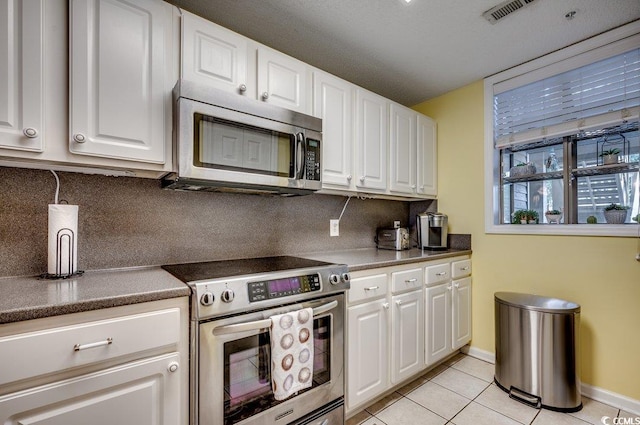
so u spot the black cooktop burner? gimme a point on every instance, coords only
(193, 272)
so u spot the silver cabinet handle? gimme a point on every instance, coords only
(266, 323)
(79, 138)
(30, 132)
(411, 280)
(242, 88)
(464, 268)
(371, 288)
(265, 96)
(79, 347)
(441, 274)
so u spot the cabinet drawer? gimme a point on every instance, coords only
(438, 273)
(367, 288)
(37, 353)
(460, 269)
(406, 280)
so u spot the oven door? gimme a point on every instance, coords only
(234, 380)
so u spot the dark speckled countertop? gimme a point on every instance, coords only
(370, 258)
(25, 298)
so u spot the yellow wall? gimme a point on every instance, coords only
(599, 273)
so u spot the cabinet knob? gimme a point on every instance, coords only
(399, 303)
(457, 285)
(242, 88)
(265, 96)
(421, 188)
(361, 178)
(173, 366)
(449, 288)
(349, 177)
(30, 132)
(386, 306)
(79, 138)
(413, 186)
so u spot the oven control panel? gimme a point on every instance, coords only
(276, 288)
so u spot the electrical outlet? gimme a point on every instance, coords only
(334, 227)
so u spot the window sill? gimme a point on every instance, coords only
(615, 230)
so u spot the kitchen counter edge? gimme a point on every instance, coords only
(373, 258)
(32, 297)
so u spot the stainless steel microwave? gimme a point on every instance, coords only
(226, 142)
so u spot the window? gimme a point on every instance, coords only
(562, 135)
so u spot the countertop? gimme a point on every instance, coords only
(25, 298)
(370, 258)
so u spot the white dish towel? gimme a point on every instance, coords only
(291, 352)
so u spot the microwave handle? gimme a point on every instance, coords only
(301, 155)
(266, 323)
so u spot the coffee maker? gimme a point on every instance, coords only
(432, 231)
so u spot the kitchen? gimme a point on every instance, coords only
(129, 222)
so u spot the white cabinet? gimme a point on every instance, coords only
(283, 80)
(367, 351)
(447, 308)
(144, 392)
(22, 75)
(427, 157)
(372, 141)
(407, 343)
(214, 56)
(94, 367)
(403, 146)
(334, 103)
(118, 64)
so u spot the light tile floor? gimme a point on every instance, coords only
(462, 392)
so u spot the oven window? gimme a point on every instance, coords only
(231, 146)
(247, 374)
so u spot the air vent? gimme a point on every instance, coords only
(505, 9)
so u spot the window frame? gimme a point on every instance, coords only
(611, 43)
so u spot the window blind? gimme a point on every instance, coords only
(602, 93)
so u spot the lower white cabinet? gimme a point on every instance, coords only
(143, 392)
(123, 365)
(447, 308)
(407, 344)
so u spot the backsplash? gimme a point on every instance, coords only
(125, 222)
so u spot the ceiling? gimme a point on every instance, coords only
(413, 52)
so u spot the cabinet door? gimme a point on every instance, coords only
(117, 82)
(143, 392)
(461, 312)
(213, 55)
(437, 323)
(371, 141)
(407, 345)
(334, 104)
(367, 352)
(21, 75)
(427, 157)
(403, 149)
(282, 81)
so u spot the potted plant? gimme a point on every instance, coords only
(532, 216)
(522, 169)
(610, 156)
(615, 214)
(553, 216)
(519, 217)
(636, 218)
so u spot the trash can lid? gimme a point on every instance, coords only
(537, 302)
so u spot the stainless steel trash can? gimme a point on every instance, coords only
(537, 358)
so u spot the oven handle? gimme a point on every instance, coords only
(266, 323)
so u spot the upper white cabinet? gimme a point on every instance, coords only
(334, 103)
(118, 67)
(22, 75)
(403, 146)
(372, 141)
(427, 156)
(283, 80)
(214, 56)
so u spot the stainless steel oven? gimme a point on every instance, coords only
(230, 357)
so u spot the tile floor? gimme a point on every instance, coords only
(461, 392)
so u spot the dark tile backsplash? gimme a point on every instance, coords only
(127, 222)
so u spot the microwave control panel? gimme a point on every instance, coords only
(312, 163)
(269, 289)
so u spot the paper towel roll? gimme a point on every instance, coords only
(63, 239)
